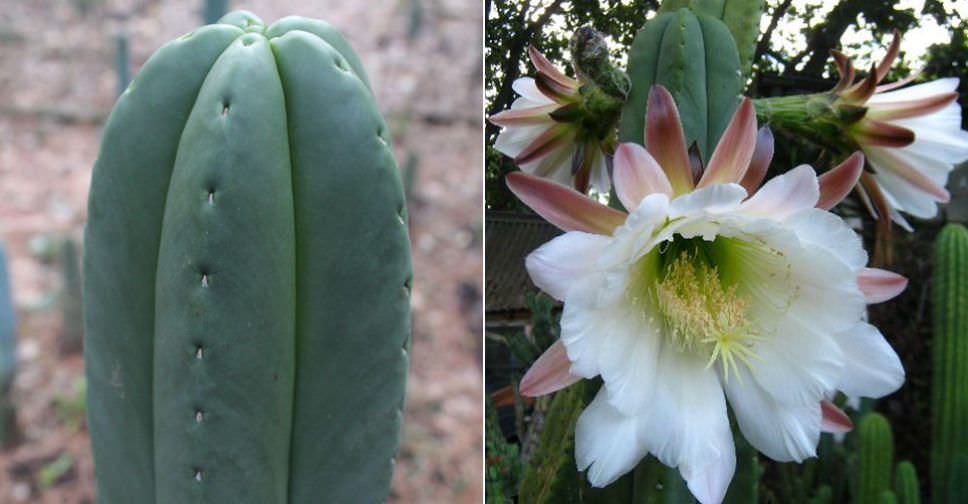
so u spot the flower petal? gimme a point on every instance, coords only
(606, 442)
(762, 155)
(784, 194)
(782, 432)
(870, 131)
(549, 373)
(664, 139)
(872, 368)
(833, 419)
(520, 116)
(637, 175)
(556, 136)
(839, 181)
(888, 162)
(911, 108)
(892, 51)
(732, 156)
(617, 343)
(880, 285)
(917, 91)
(551, 72)
(563, 206)
(556, 265)
(715, 199)
(688, 427)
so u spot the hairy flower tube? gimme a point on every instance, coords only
(707, 293)
(911, 136)
(559, 128)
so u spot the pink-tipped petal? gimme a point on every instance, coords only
(519, 117)
(845, 68)
(550, 139)
(885, 159)
(732, 156)
(880, 285)
(882, 134)
(863, 90)
(637, 174)
(563, 206)
(762, 155)
(892, 52)
(837, 183)
(549, 373)
(551, 72)
(894, 85)
(911, 108)
(665, 141)
(833, 419)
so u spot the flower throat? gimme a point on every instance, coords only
(700, 314)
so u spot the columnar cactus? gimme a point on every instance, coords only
(949, 394)
(875, 458)
(246, 275)
(906, 485)
(8, 356)
(72, 332)
(694, 56)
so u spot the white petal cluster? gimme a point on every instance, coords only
(791, 269)
(939, 145)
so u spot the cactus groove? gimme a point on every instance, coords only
(246, 275)
(949, 396)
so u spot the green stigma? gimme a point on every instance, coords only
(699, 313)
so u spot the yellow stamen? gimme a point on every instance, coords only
(704, 317)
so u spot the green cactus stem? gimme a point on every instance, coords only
(694, 57)
(8, 356)
(72, 330)
(875, 458)
(246, 275)
(906, 485)
(949, 393)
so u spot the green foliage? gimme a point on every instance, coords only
(695, 58)
(875, 459)
(70, 409)
(502, 468)
(824, 495)
(887, 497)
(906, 485)
(246, 275)
(745, 486)
(50, 473)
(949, 396)
(551, 476)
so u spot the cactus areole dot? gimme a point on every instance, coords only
(244, 256)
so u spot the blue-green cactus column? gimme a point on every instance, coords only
(247, 275)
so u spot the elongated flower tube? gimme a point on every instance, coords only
(704, 294)
(559, 128)
(911, 136)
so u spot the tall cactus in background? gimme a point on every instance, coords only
(246, 275)
(906, 485)
(72, 330)
(8, 355)
(949, 396)
(875, 459)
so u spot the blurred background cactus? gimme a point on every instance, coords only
(8, 356)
